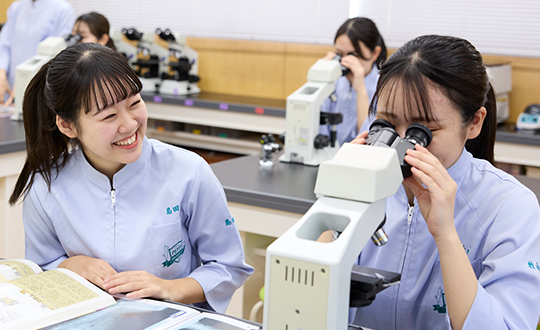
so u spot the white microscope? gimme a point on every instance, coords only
(150, 60)
(303, 143)
(182, 63)
(308, 283)
(24, 72)
(125, 48)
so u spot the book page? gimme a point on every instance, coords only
(208, 321)
(47, 298)
(131, 314)
(12, 269)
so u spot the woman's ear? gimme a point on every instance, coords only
(475, 127)
(376, 52)
(66, 128)
(104, 39)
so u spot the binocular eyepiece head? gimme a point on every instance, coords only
(383, 133)
(344, 70)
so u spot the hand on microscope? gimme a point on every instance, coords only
(357, 69)
(5, 88)
(432, 186)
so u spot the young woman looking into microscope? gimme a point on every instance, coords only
(463, 234)
(362, 51)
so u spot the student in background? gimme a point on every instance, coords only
(362, 51)
(464, 235)
(28, 23)
(94, 27)
(129, 214)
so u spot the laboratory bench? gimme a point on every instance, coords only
(12, 157)
(214, 121)
(234, 124)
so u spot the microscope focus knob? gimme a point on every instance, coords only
(321, 141)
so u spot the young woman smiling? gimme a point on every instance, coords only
(129, 214)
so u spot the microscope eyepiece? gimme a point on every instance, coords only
(418, 133)
(383, 134)
(132, 34)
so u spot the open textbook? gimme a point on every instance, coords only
(60, 299)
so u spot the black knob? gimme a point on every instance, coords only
(321, 141)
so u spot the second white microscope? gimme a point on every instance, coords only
(303, 143)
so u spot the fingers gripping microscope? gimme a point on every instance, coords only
(311, 285)
(303, 143)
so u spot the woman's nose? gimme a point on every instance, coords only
(128, 122)
(401, 131)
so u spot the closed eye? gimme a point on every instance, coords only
(135, 103)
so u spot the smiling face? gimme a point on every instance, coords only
(449, 132)
(112, 137)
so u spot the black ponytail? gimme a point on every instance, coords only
(484, 144)
(44, 142)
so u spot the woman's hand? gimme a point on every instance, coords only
(5, 89)
(93, 269)
(434, 189)
(361, 138)
(140, 284)
(329, 56)
(357, 74)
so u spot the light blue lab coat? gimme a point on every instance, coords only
(346, 105)
(28, 23)
(498, 222)
(169, 217)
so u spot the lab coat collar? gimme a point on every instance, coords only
(458, 171)
(127, 173)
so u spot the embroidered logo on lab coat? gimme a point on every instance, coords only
(175, 208)
(229, 222)
(441, 303)
(174, 254)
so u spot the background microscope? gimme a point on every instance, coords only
(180, 76)
(150, 60)
(303, 143)
(24, 72)
(128, 50)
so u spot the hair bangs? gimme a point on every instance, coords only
(409, 88)
(101, 81)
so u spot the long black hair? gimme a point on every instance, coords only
(455, 68)
(79, 78)
(364, 30)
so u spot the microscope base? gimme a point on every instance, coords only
(318, 155)
(150, 85)
(173, 87)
